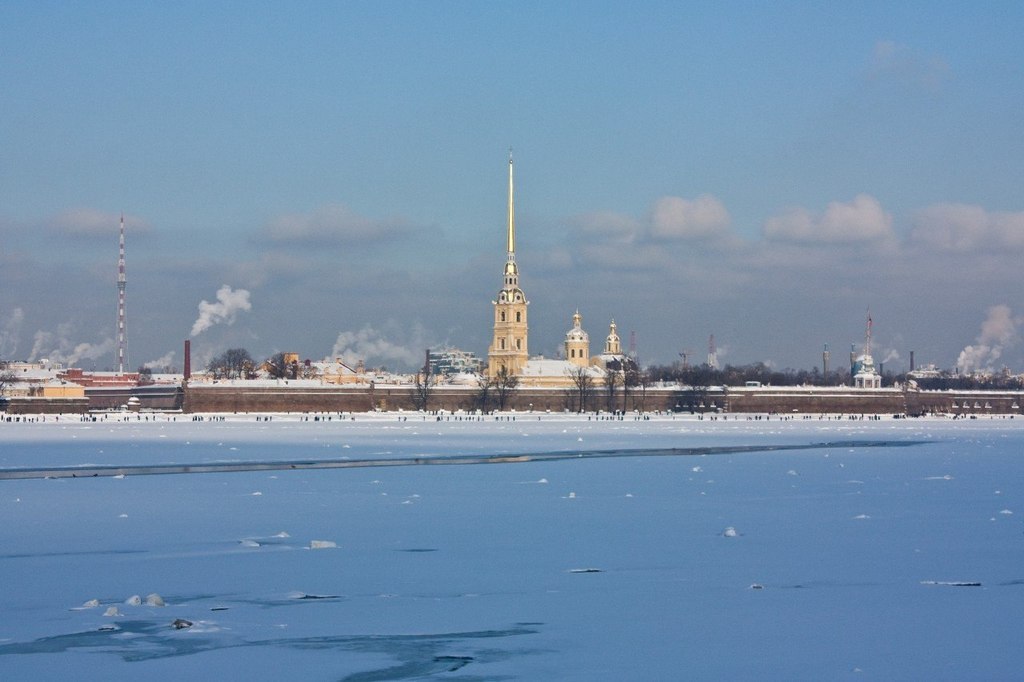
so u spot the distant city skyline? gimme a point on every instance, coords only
(330, 178)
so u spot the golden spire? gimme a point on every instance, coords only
(511, 240)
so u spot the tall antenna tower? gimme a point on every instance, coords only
(712, 353)
(867, 337)
(122, 344)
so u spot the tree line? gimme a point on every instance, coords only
(237, 363)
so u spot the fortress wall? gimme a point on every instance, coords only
(818, 402)
(24, 405)
(207, 398)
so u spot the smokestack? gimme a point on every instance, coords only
(188, 359)
(911, 361)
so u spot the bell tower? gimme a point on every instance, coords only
(612, 344)
(508, 348)
(577, 343)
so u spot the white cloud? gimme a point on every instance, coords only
(607, 225)
(331, 223)
(962, 228)
(998, 331)
(859, 221)
(229, 304)
(91, 222)
(898, 63)
(678, 218)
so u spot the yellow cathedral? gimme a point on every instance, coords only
(509, 351)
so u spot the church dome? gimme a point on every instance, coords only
(577, 333)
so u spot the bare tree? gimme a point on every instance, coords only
(611, 381)
(233, 363)
(583, 388)
(145, 376)
(695, 382)
(279, 368)
(7, 376)
(504, 383)
(483, 392)
(643, 381)
(630, 381)
(423, 387)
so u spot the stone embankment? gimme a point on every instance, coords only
(312, 397)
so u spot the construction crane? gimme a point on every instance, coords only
(686, 355)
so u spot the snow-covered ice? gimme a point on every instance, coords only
(616, 569)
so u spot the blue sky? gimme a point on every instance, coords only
(762, 173)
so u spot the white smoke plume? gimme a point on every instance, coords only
(998, 331)
(9, 334)
(370, 346)
(58, 348)
(161, 362)
(890, 356)
(229, 304)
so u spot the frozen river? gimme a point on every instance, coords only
(801, 549)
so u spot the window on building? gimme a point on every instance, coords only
(519, 316)
(503, 344)
(519, 344)
(502, 315)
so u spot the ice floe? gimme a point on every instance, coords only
(952, 583)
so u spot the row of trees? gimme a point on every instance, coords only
(237, 363)
(738, 375)
(960, 382)
(619, 382)
(620, 386)
(492, 392)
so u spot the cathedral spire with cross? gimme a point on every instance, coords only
(508, 348)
